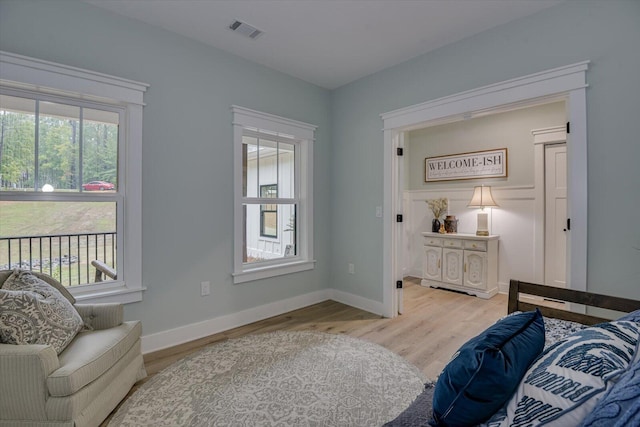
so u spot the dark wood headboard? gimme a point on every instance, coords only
(517, 287)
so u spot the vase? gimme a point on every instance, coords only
(451, 224)
(435, 225)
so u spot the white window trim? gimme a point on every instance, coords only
(19, 72)
(246, 118)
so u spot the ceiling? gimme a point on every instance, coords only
(327, 42)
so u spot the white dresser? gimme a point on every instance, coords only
(462, 262)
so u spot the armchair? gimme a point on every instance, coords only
(80, 386)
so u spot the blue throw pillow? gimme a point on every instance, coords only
(620, 407)
(485, 372)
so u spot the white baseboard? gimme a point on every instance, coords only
(194, 331)
(356, 301)
(172, 337)
(413, 273)
(503, 288)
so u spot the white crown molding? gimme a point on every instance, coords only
(31, 73)
(544, 83)
(549, 135)
(246, 117)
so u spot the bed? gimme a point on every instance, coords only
(518, 288)
(560, 328)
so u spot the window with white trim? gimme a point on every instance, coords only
(273, 209)
(70, 182)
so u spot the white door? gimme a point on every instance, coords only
(555, 265)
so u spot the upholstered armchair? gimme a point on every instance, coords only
(77, 386)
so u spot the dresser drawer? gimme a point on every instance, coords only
(432, 241)
(452, 243)
(475, 245)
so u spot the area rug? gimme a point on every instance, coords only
(277, 379)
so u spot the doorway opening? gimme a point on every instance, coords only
(566, 84)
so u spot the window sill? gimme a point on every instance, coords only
(120, 294)
(252, 274)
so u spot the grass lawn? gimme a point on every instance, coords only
(43, 218)
(26, 219)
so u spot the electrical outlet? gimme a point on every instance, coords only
(352, 269)
(205, 288)
(378, 211)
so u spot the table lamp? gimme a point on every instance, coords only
(482, 198)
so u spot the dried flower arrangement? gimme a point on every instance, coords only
(438, 207)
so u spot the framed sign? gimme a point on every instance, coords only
(478, 164)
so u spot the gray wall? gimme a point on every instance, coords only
(187, 150)
(510, 130)
(187, 193)
(605, 32)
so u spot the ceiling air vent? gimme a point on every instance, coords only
(245, 29)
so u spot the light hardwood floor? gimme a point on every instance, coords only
(434, 325)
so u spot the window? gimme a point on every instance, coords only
(70, 144)
(274, 202)
(269, 212)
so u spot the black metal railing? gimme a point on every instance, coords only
(66, 257)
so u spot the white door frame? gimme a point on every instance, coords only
(566, 83)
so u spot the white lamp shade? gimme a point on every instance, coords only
(482, 198)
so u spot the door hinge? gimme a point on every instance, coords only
(399, 284)
(568, 127)
(568, 225)
(399, 218)
(399, 151)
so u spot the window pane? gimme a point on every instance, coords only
(58, 238)
(249, 166)
(58, 147)
(286, 170)
(269, 223)
(279, 218)
(267, 162)
(99, 150)
(269, 212)
(17, 143)
(55, 146)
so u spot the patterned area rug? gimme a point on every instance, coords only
(277, 379)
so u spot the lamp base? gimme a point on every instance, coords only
(483, 224)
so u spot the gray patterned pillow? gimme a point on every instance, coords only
(34, 312)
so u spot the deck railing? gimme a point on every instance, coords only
(67, 257)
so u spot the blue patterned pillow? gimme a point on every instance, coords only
(486, 370)
(563, 386)
(634, 316)
(621, 406)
